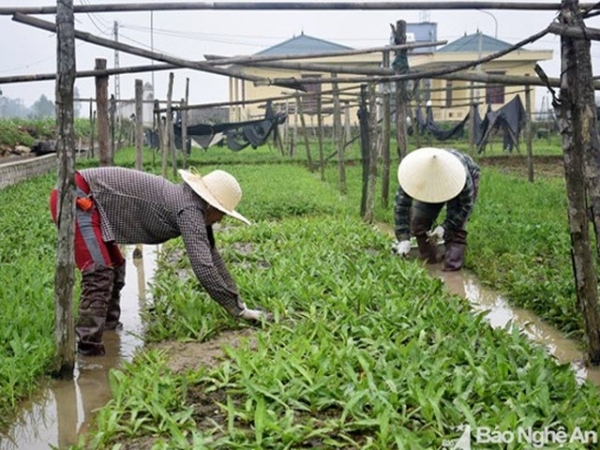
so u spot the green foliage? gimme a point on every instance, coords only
(367, 351)
(15, 132)
(27, 253)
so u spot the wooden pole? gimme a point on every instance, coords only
(102, 115)
(139, 125)
(372, 155)
(112, 107)
(295, 6)
(339, 136)
(184, 125)
(385, 139)
(170, 136)
(575, 111)
(363, 120)
(530, 173)
(320, 138)
(300, 111)
(472, 110)
(92, 127)
(115, 45)
(401, 140)
(64, 331)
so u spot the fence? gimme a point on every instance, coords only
(13, 172)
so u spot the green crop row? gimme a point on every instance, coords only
(366, 350)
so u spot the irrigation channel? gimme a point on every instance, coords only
(63, 410)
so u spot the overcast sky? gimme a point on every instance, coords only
(191, 34)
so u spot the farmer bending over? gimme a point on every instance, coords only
(431, 178)
(124, 206)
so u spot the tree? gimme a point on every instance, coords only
(42, 108)
(11, 107)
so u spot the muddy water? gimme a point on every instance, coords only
(64, 408)
(501, 314)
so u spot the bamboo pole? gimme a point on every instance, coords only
(339, 137)
(401, 135)
(116, 45)
(169, 126)
(92, 126)
(576, 115)
(530, 174)
(102, 116)
(385, 139)
(320, 138)
(300, 111)
(139, 124)
(184, 125)
(363, 120)
(64, 278)
(297, 6)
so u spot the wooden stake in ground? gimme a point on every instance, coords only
(576, 113)
(102, 115)
(365, 145)
(184, 124)
(385, 139)
(401, 66)
(300, 112)
(339, 136)
(139, 124)
(320, 138)
(64, 331)
(530, 174)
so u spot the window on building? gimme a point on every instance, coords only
(494, 94)
(448, 93)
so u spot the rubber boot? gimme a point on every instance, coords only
(96, 289)
(114, 305)
(455, 255)
(456, 244)
(428, 250)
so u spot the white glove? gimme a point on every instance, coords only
(254, 314)
(438, 233)
(401, 248)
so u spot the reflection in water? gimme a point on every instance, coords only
(64, 409)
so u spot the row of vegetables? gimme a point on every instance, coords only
(366, 351)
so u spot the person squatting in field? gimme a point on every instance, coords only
(431, 178)
(115, 206)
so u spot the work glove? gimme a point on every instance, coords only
(256, 315)
(437, 233)
(401, 248)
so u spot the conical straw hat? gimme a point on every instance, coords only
(218, 188)
(431, 175)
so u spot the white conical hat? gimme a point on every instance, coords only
(219, 189)
(431, 175)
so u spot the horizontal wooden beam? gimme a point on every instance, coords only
(298, 6)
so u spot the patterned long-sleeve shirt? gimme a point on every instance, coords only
(141, 208)
(458, 209)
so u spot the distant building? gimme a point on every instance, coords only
(450, 99)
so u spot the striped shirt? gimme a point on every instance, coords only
(140, 208)
(458, 209)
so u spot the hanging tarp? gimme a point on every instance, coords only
(428, 125)
(510, 119)
(238, 135)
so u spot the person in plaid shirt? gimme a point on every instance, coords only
(431, 178)
(115, 206)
